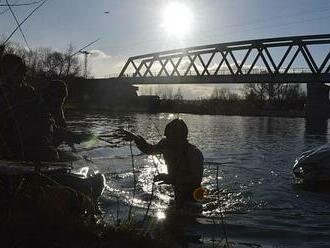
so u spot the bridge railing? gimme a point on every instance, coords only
(253, 57)
(258, 71)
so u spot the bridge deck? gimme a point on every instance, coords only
(252, 61)
(226, 79)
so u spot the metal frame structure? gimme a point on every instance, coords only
(228, 63)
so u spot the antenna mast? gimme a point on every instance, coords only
(86, 53)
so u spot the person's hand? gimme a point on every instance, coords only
(128, 136)
(73, 148)
(162, 178)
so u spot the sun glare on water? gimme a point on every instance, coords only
(177, 19)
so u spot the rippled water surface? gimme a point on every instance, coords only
(254, 156)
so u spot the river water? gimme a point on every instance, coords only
(262, 204)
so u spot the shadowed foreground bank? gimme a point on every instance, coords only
(97, 235)
(38, 212)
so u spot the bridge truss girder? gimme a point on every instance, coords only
(228, 62)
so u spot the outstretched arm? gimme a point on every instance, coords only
(142, 144)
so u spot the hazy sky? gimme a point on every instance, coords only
(134, 27)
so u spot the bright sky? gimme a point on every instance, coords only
(134, 27)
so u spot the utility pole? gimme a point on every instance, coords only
(85, 61)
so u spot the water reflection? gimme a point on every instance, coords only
(317, 187)
(316, 132)
(178, 223)
(318, 126)
(255, 156)
(160, 215)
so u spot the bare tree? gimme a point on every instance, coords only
(224, 94)
(276, 94)
(165, 92)
(71, 63)
(47, 62)
(178, 95)
(255, 91)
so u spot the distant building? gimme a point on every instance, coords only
(107, 94)
(149, 103)
(101, 94)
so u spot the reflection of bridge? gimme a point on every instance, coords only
(299, 59)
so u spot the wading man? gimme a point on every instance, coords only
(184, 161)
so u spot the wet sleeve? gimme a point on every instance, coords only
(148, 148)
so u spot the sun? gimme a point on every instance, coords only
(177, 19)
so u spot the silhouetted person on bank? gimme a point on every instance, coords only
(184, 161)
(25, 123)
(2, 49)
(55, 95)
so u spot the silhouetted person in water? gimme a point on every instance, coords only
(184, 161)
(25, 123)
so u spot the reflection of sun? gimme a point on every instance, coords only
(177, 19)
(160, 215)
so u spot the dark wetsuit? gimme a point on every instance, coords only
(184, 163)
(54, 96)
(25, 124)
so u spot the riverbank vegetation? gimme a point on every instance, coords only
(286, 100)
(253, 99)
(43, 63)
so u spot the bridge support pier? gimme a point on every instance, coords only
(317, 107)
(318, 104)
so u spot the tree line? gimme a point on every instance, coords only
(262, 95)
(280, 96)
(252, 99)
(45, 63)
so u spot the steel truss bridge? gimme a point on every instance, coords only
(298, 59)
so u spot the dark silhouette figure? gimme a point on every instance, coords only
(184, 160)
(26, 130)
(55, 95)
(2, 49)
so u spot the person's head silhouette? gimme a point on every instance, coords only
(12, 68)
(176, 131)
